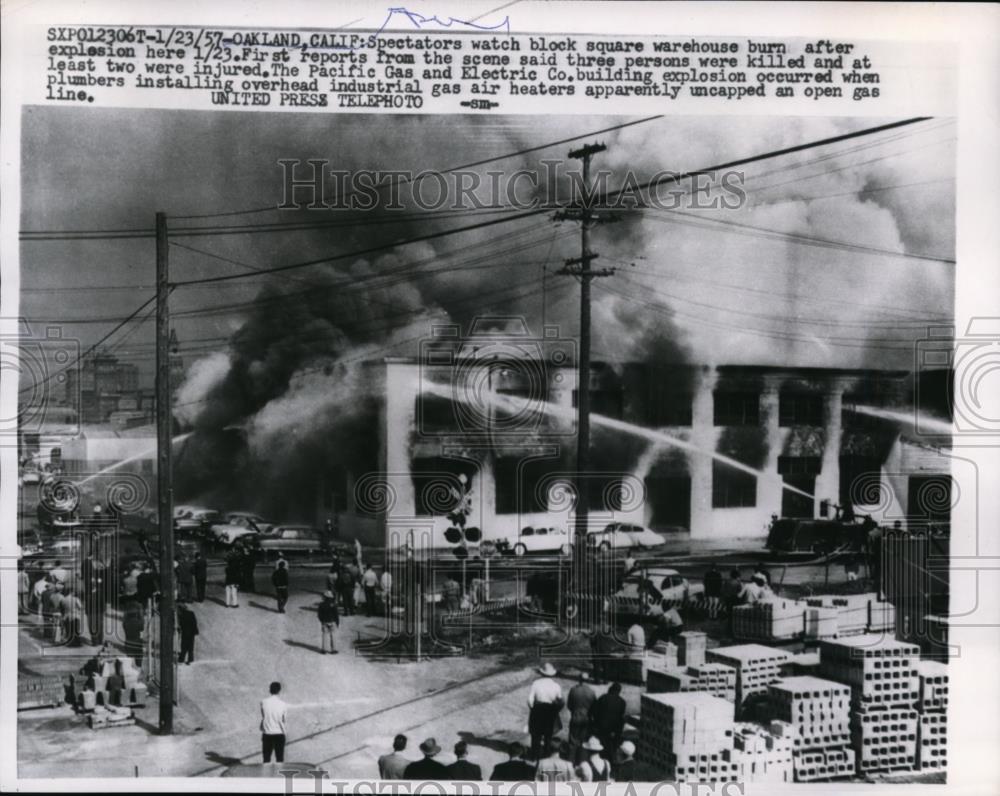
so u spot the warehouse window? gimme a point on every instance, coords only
(435, 414)
(800, 409)
(517, 485)
(736, 408)
(669, 409)
(860, 480)
(732, 488)
(609, 403)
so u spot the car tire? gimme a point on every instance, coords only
(520, 550)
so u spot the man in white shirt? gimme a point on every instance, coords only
(273, 712)
(545, 700)
(369, 582)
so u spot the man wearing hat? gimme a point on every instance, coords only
(329, 618)
(545, 701)
(594, 768)
(428, 768)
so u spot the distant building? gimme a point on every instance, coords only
(100, 384)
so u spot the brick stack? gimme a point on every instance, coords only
(134, 692)
(775, 620)
(823, 764)
(716, 679)
(40, 692)
(856, 613)
(818, 710)
(756, 667)
(820, 622)
(882, 674)
(932, 705)
(688, 736)
(762, 755)
(691, 648)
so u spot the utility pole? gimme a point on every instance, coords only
(164, 490)
(580, 268)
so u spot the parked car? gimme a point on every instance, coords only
(538, 540)
(658, 583)
(624, 536)
(292, 539)
(195, 519)
(237, 524)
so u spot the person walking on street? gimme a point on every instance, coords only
(393, 765)
(607, 718)
(556, 767)
(329, 621)
(428, 769)
(516, 769)
(594, 768)
(185, 578)
(233, 574)
(146, 586)
(545, 701)
(248, 565)
(280, 580)
(369, 581)
(580, 700)
(273, 725)
(462, 770)
(199, 569)
(187, 626)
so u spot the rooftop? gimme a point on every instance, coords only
(807, 683)
(745, 652)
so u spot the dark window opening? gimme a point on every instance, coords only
(437, 484)
(732, 488)
(435, 413)
(609, 403)
(860, 480)
(519, 485)
(793, 502)
(799, 465)
(669, 409)
(736, 408)
(800, 409)
(669, 497)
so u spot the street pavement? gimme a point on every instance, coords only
(344, 708)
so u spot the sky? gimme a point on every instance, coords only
(768, 283)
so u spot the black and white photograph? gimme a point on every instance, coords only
(488, 447)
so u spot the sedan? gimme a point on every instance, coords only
(237, 524)
(624, 536)
(541, 540)
(291, 539)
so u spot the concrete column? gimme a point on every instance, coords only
(769, 487)
(828, 480)
(703, 436)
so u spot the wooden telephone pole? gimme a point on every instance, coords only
(580, 268)
(164, 490)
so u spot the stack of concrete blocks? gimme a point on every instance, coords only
(134, 692)
(856, 614)
(691, 648)
(818, 713)
(716, 679)
(774, 620)
(882, 674)
(756, 667)
(637, 667)
(688, 736)
(762, 754)
(932, 705)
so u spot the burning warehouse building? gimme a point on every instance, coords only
(713, 451)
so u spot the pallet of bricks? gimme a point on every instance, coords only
(762, 754)
(40, 692)
(716, 679)
(133, 692)
(854, 614)
(932, 706)
(688, 736)
(815, 713)
(775, 620)
(756, 667)
(882, 675)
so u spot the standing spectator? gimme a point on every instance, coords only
(545, 701)
(636, 640)
(329, 620)
(133, 623)
(462, 770)
(428, 769)
(452, 594)
(369, 582)
(187, 626)
(754, 590)
(594, 768)
(345, 582)
(95, 597)
(607, 718)
(515, 769)
(280, 580)
(130, 584)
(233, 574)
(385, 583)
(51, 608)
(713, 590)
(199, 569)
(556, 767)
(23, 588)
(42, 585)
(579, 702)
(185, 578)
(332, 577)
(72, 615)
(627, 768)
(248, 564)
(273, 715)
(761, 570)
(280, 560)
(146, 586)
(393, 765)
(732, 594)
